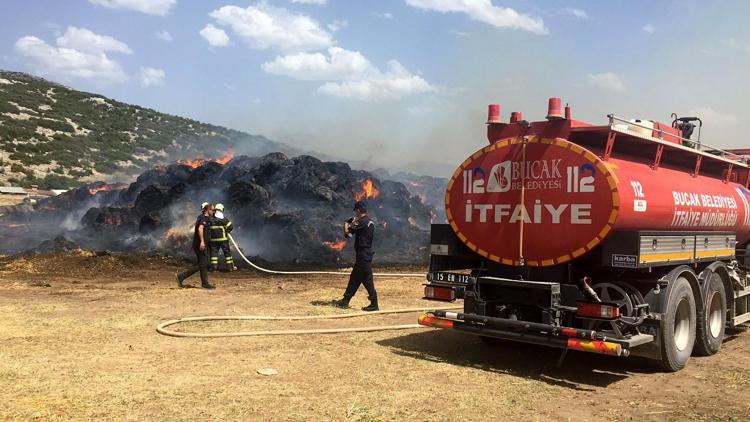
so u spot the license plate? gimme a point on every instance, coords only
(449, 278)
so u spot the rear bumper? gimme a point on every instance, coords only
(534, 333)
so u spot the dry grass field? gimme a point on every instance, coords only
(78, 342)
(10, 200)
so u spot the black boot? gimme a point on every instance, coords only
(179, 279)
(372, 307)
(208, 286)
(342, 303)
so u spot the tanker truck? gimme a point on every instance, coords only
(628, 238)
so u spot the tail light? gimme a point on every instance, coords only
(447, 294)
(597, 310)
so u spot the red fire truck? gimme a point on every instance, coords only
(627, 238)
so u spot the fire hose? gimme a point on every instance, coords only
(266, 270)
(162, 328)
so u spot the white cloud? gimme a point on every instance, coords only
(337, 24)
(152, 77)
(350, 75)
(151, 7)
(648, 28)
(388, 86)
(316, 2)
(578, 13)
(712, 117)
(340, 64)
(460, 33)
(484, 11)
(264, 26)
(164, 36)
(68, 63)
(215, 36)
(82, 39)
(386, 15)
(608, 81)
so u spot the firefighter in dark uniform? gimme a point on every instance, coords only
(363, 230)
(221, 226)
(201, 247)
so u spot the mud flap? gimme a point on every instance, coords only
(650, 350)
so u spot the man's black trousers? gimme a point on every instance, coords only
(361, 274)
(201, 265)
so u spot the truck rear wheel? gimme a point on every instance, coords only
(678, 329)
(713, 319)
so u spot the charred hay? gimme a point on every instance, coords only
(285, 210)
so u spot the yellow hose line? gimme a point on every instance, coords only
(162, 328)
(266, 270)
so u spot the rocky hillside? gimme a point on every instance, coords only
(57, 137)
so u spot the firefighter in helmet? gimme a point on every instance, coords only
(221, 226)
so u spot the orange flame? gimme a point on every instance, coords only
(104, 188)
(114, 220)
(368, 191)
(200, 161)
(226, 158)
(193, 164)
(337, 245)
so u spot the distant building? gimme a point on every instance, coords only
(32, 192)
(12, 190)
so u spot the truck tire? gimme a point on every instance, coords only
(678, 328)
(712, 320)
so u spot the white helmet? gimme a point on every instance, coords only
(219, 207)
(203, 205)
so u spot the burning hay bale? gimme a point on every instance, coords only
(430, 190)
(285, 210)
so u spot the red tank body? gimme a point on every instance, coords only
(549, 192)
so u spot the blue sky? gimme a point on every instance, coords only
(392, 81)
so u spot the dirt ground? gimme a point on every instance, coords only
(78, 342)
